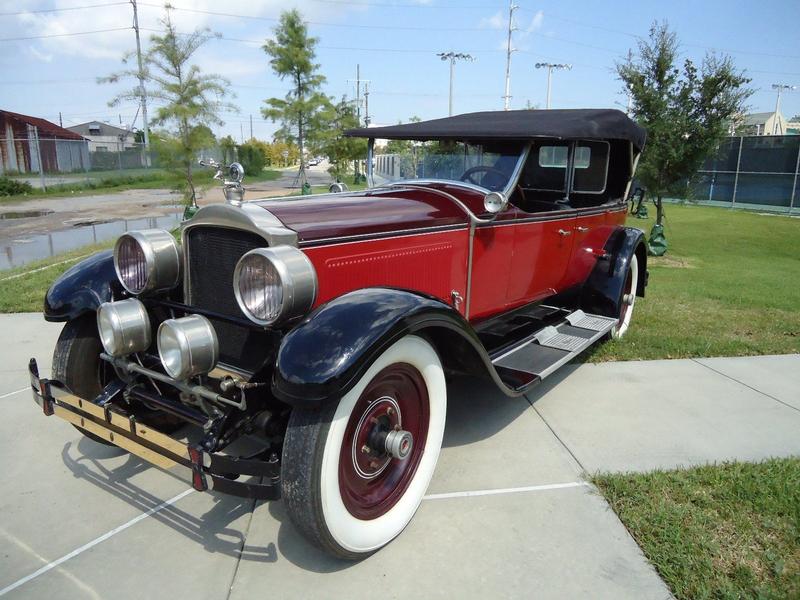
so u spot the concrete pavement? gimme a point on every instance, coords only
(121, 528)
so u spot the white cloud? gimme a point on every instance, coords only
(40, 55)
(536, 22)
(496, 21)
(114, 44)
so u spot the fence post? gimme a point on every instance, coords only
(736, 177)
(794, 184)
(35, 132)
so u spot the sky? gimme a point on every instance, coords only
(395, 43)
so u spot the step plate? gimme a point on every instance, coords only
(562, 341)
(593, 322)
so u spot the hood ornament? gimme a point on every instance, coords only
(231, 181)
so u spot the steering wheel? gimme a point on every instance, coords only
(467, 176)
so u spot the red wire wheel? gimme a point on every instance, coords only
(371, 481)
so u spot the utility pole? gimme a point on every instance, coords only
(366, 104)
(453, 57)
(142, 91)
(780, 87)
(557, 66)
(507, 97)
(251, 127)
(358, 81)
(241, 132)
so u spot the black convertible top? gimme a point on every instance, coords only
(582, 123)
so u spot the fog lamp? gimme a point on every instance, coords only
(124, 327)
(187, 346)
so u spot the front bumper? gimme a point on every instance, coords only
(208, 471)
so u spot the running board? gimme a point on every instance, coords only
(542, 353)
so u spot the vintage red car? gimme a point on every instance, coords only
(321, 327)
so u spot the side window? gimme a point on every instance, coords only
(591, 167)
(546, 169)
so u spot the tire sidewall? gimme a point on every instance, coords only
(364, 536)
(620, 329)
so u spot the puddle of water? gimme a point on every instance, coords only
(21, 251)
(24, 214)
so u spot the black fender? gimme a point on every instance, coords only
(324, 356)
(82, 288)
(602, 291)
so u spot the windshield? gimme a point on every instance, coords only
(487, 166)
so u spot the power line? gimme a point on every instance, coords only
(52, 10)
(57, 35)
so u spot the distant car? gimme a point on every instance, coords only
(322, 327)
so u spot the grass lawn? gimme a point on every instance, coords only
(22, 289)
(116, 181)
(719, 531)
(729, 285)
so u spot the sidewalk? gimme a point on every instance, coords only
(508, 513)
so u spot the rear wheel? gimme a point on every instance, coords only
(627, 300)
(354, 473)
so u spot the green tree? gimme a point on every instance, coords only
(228, 146)
(686, 111)
(252, 157)
(189, 100)
(302, 111)
(339, 149)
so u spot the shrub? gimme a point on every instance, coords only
(252, 158)
(12, 187)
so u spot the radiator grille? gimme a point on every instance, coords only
(212, 254)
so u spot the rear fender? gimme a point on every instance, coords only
(323, 357)
(82, 288)
(602, 292)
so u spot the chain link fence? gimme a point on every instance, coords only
(755, 172)
(48, 162)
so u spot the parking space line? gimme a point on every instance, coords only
(14, 392)
(516, 490)
(94, 542)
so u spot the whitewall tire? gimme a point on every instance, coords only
(346, 485)
(627, 300)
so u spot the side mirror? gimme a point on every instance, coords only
(236, 172)
(337, 187)
(495, 202)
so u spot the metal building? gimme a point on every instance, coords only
(24, 139)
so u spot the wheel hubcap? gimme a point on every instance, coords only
(384, 441)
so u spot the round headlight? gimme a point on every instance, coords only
(124, 327)
(147, 261)
(273, 285)
(187, 346)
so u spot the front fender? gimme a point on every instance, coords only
(321, 359)
(602, 292)
(82, 288)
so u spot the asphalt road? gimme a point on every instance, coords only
(508, 514)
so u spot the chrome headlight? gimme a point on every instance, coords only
(187, 346)
(273, 285)
(147, 261)
(124, 327)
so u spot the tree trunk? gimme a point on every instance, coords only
(659, 211)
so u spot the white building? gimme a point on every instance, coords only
(104, 137)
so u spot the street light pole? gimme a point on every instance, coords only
(780, 87)
(453, 57)
(509, 50)
(550, 67)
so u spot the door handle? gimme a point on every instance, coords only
(582, 229)
(564, 232)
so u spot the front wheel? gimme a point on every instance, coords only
(354, 473)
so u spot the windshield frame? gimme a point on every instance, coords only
(506, 191)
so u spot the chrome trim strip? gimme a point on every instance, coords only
(361, 237)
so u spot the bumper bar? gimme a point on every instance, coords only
(209, 471)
